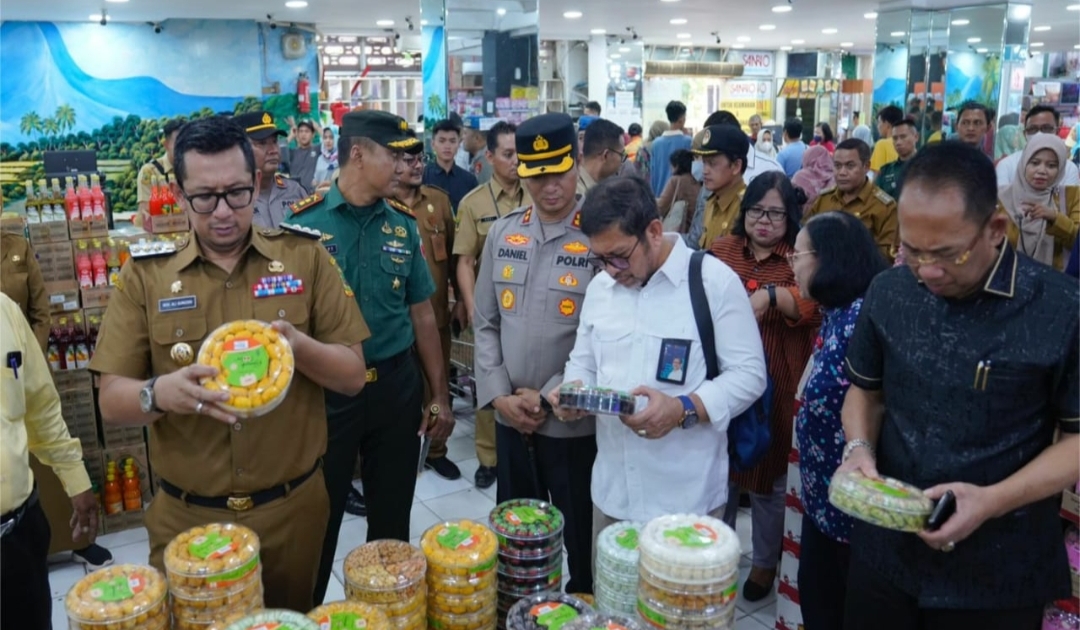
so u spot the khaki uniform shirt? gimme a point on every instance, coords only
(872, 206)
(270, 210)
(584, 181)
(532, 281)
(721, 212)
(20, 279)
(435, 220)
(181, 298)
(479, 210)
(148, 172)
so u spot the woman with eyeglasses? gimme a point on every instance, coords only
(834, 260)
(756, 249)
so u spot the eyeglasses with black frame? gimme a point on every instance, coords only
(622, 263)
(207, 203)
(412, 160)
(1031, 130)
(775, 215)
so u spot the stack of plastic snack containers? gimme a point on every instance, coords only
(530, 550)
(274, 619)
(604, 621)
(390, 575)
(887, 503)
(349, 616)
(615, 579)
(545, 611)
(125, 596)
(460, 576)
(689, 573)
(213, 572)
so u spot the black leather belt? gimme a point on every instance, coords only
(10, 521)
(387, 366)
(239, 502)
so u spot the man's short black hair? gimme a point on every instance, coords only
(960, 166)
(675, 110)
(682, 162)
(793, 128)
(306, 123)
(847, 257)
(601, 135)
(211, 136)
(756, 191)
(907, 122)
(854, 144)
(498, 130)
(1043, 109)
(974, 106)
(447, 125)
(594, 106)
(634, 130)
(624, 201)
(891, 114)
(172, 126)
(722, 117)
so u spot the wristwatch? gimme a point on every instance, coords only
(147, 402)
(689, 414)
(771, 288)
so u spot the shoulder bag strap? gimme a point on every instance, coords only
(702, 315)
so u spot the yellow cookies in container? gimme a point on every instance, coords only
(211, 557)
(349, 615)
(459, 549)
(121, 597)
(255, 366)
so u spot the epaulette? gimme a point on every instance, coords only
(305, 203)
(400, 207)
(152, 249)
(827, 190)
(883, 196)
(300, 230)
(527, 217)
(271, 232)
(448, 194)
(279, 179)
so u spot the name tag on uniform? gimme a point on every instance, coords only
(488, 219)
(170, 305)
(331, 249)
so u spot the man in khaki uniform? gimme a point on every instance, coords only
(435, 220)
(20, 279)
(723, 153)
(264, 473)
(477, 212)
(277, 192)
(161, 167)
(603, 153)
(856, 194)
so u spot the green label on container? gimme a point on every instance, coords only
(434, 624)
(234, 576)
(246, 363)
(557, 617)
(212, 545)
(697, 536)
(344, 621)
(628, 539)
(886, 489)
(526, 515)
(115, 590)
(454, 537)
(651, 615)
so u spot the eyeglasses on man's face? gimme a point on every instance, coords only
(207, 203)
(622, 263)
(1031, 130)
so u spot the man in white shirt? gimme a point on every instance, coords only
(671, 456)
(1040, 119)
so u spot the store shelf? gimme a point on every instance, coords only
(400, 94)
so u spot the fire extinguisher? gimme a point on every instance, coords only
(303, 98)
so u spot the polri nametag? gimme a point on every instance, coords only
(185, 303)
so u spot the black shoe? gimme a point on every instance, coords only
(744, 500)
(355, 504)
(444, 468)
(94, 557)
(753, 591)
(485, 477)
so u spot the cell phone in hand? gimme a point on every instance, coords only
(943, 511)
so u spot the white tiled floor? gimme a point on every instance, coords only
(436, 500)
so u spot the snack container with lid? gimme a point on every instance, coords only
(543, 612)
(221, 623)
(211, 558)
(527, 528)
(459, 550)
(617, 546)
(530, 567)
(604, 621)
(255, 366)
(348, 615)
(887, 503)
(120, 597)
(524, 586)
(483, 619)
(689, 549)
(390, 575)
(274, 620)
(596, 400)
(695, 598)
(616, 600)
(659, 616)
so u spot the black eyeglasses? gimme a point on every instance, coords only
(622, 263)
(775, 215)
(206, 203)
(621, 154)
(1034, 129)
(413, 160)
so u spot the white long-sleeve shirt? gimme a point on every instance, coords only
(618, 347)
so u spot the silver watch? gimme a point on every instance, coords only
(146, 397)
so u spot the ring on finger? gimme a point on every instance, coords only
(199, 408)
(947, 547)
(642, 433)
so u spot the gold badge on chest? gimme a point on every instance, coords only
(276, 266)
(400, 232)
(182, 354)
(386, 228)
(177, 287)
(397, 284)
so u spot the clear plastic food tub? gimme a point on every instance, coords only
(545, 612)
(527, 528)
(596, 400)
(274, 620)
(659, 616)
(483, 619)
(255, 366)
(887, 503)
(697, 598)
(460, 549)
(604, 621)
(530, 567)
(617, 545)
(211, 605)
(348, 615)
(689, 549)
(523, 586)
(124, 597)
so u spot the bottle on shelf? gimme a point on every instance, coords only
(97, 262)
(86, 203)
(52, 352)
(71, 201)
(156, 199)
(82, 348)
(169, 200)
(97, 197)
(84, 266)
(58, 201)
(67, 345)
(44, 203)
(132, 491)
(113, 262)
(33, 207)
(114, 498)
(92, 324)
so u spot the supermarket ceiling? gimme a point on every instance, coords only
(812, 24)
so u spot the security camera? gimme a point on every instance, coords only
(270, 18)
(397, 37)
(716, 34)
(104, 18)
(408, 20)
(156, 26)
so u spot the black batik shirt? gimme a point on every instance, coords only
(943, 424)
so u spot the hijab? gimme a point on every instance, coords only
(656, 130)
(1009, 140)
(816, 173)
(862, 132)
(1032, 240)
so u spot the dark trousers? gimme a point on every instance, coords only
(381, 425)
(559, 470)
(873, 603)
(24, 573)
(823, 577)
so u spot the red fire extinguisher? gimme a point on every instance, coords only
(303, 98)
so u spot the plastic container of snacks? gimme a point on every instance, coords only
(255, 366)
(220, 624)
(274, 620)
(659, 616)
(214, 572)
(121, 597)
(349, 616)
(461, 550)
(527, 528)
(604, 621)
(621, 601)
(689, 549)
(596, 400)
(481, 620)
(530, 567)
(617, 547)
(389, 574)
(696, 599)
(888, 503)
(545, 612)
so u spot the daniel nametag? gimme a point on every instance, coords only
(170, 305)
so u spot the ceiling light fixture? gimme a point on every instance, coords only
(684, 35)
(116, 1)
(960, 22)
(785, 48)
(982, 51)
(798, 41)
(870, 16)
(846, 44)
(767, 27)
(500, 11)
(384, 23)
(598, 31)
(738, 46)
(572, 15)
(1041, 28)
(974, 40)
(96, 17)
(897, 33)
(616, 56)
(677, 21)
(1037, 44)
(742, 38)
(829, 31)
(1073, 7)
(669, 0)
(782, 8)
(624, 49)
(296, 4)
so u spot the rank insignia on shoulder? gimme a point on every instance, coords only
(400, 207)
(527, 217)
(153, 249)
(884, 197)
(577, 220)
(300, 230)
(279, 180)
(304, 203)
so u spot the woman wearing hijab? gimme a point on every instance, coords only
(1009, 140)
(815, 175)
(1044, 215)
(765, 144)
(862, 132)
(644, 154)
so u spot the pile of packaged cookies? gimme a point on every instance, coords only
(461, 575)
(615, 578)
(389, 574)
(214, 572)
(530, 550)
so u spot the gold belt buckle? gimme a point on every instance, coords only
(372, 375)
(241, 503)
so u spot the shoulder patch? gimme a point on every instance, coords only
(154, 249)
(306, 203)
(271, 232)
(527, 217)
(279, 180)
(300, 230)
(400, 207)
(827, 190)
(883, 196)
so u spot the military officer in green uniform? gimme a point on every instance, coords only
(277, 192)
(905, 137)
(376, 243)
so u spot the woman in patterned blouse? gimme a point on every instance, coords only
(835, 259)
